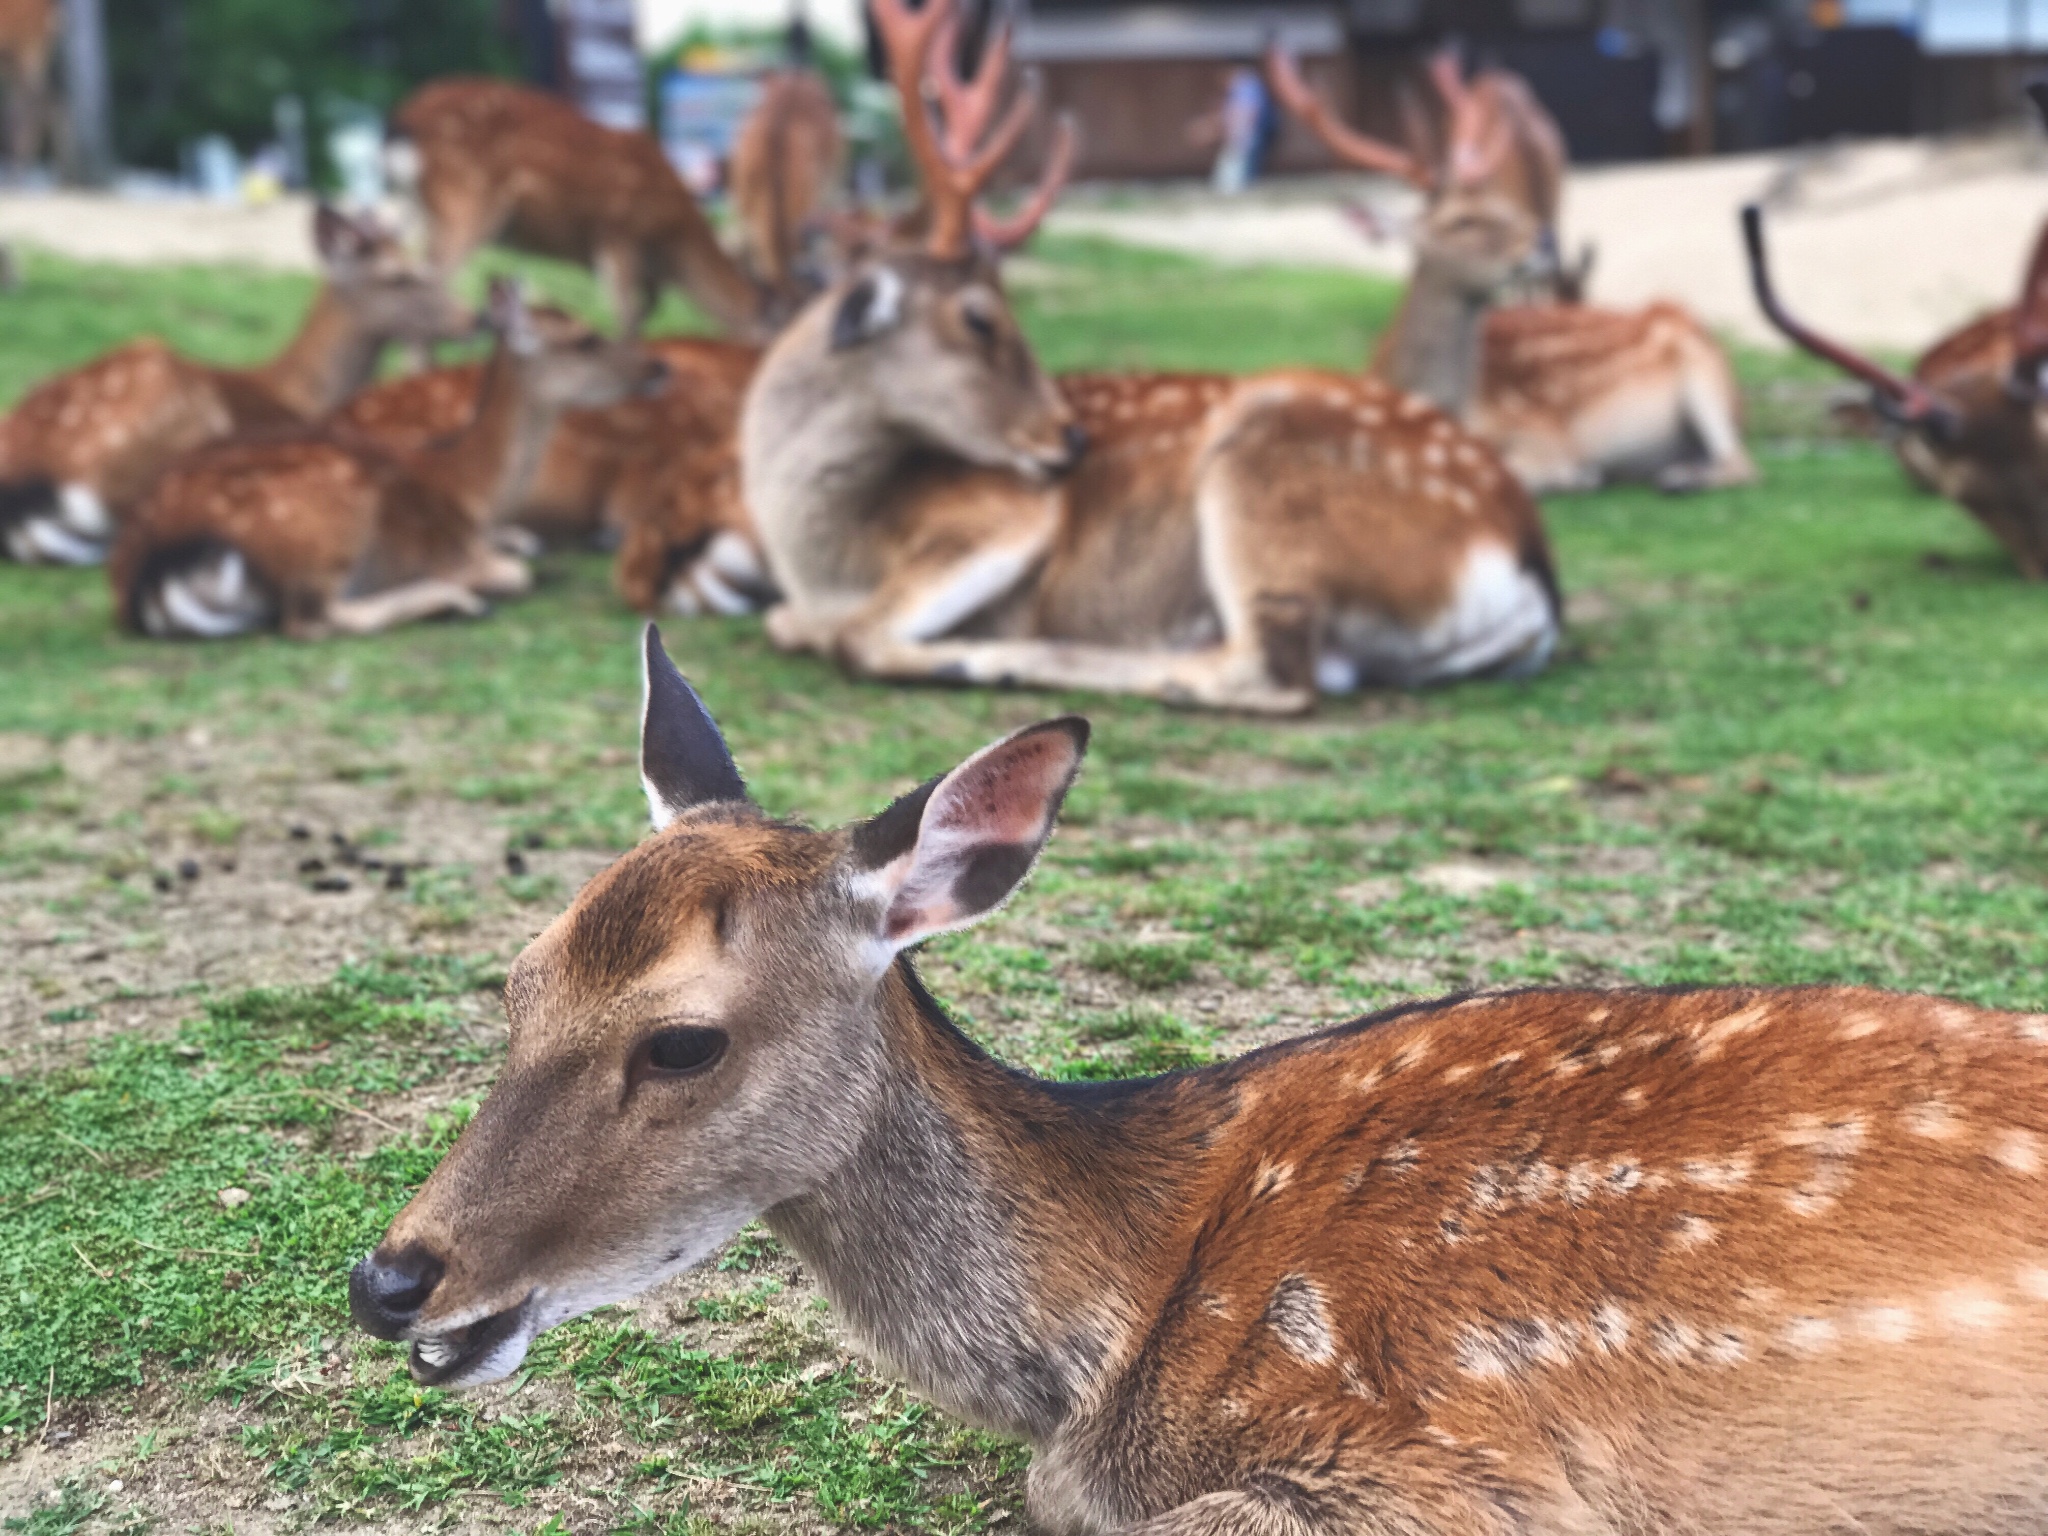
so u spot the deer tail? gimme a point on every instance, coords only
(200, 589)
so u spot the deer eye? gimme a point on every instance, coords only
(980, 322)
(682, 1049)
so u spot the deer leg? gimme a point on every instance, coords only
(1708, 407)
(622, 273)
(415, 600)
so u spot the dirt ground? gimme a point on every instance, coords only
(1886, 244)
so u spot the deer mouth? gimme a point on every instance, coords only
(481, 1351)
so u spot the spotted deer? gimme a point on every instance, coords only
(1571, 394)
(1976, 426)
(1726, 1261)
(81, 449)
(487, 160)
(657, 476)
(919, 489)
(28, 37)
(317, 531)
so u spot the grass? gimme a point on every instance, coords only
(1798, 733)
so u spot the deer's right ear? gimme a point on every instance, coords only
(683, 757)
(953, 850)
(871, 306)
(337, 237)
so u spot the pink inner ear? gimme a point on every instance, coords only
(1003, 796)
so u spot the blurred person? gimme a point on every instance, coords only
(1241, 126)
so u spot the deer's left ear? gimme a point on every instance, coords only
(339, 239)
(683, 757)
(951, 851)
(871, 306)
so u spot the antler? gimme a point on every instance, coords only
(966, 105)
(1911, 401)
(1345, 143)
(1479, 138)
(1008, 234)
(951, 180)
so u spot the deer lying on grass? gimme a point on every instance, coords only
(1733, 1262)
(487, 161)
(1977, 431)
(1230, 543)
(1571, 394)
(319, 532)
(81, 449)
(659, 476)
(28, 37)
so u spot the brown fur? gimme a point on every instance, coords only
(343, 534)
(28, 39)
(785, 163)
(111, 426)
(1736, 1262)
(661, 475)
(503, 162)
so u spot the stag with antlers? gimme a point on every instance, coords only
(919, 489)
(1977, 433)
(1571, 394)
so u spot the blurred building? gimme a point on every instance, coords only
(1626, 79)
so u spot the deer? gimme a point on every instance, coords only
(919, 489)
(785, 161)
(1973, 420)
(487, 160)
(317, 532)
(81, 449)
(1572, 394)
(28, 37)
(1734, 1261)
(657, 477)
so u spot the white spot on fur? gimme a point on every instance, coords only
(2034, 1281)
(2018, 1150)
(1970, 1308)
(1711, 1038)
(1887, 1325)
(1809, 1335)
(1719, 1173)
(1931, 1119)
(1401, 1156)
(1859, 1025)
(1610, 1328)
(2032, 1026)
(1297, 1315)
(1690, 1231)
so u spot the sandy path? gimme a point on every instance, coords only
(1886, 244)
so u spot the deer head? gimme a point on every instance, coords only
(697, 1040)
(920, 343)
(388, 296)
(562, 363)
(1988, 433)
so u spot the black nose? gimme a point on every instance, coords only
(1075, 440)
(657, 378)
(386, 1291)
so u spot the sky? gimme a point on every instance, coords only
(661, 21)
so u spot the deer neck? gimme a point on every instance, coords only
(817, 457)
(1432, 348)
(988, 1236)
(329, 360)
(488, 465)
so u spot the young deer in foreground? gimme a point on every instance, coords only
(1728, 1262)
(1571, 394)
(1230, 543)
(80, 449)
(486, 160)
(318, 531)
(1971, 425)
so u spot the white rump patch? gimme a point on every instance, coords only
(84, 513)
(1498, 619)
(209, 601)
(1296, 1314)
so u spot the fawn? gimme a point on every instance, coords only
(486, 160)
(81, 449)
(1236, 544)
(317, 531)
(1571, 394)
(1970, 419)
(1729, 1261)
